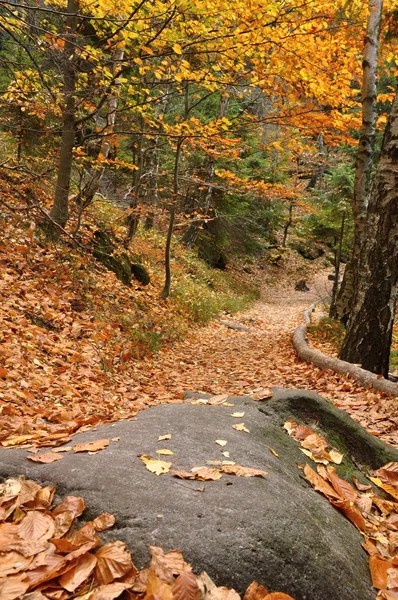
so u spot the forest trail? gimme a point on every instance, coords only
(220, 360)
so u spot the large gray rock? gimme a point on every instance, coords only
(276, 530)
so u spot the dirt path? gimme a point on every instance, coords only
(221, 360)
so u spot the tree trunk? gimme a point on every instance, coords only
(85, 197)
(369, 333)
(60, 210)
(332, 311)
(364, 163)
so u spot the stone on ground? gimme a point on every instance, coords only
(275, 530)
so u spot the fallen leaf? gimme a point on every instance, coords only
(72, 504)
(113, 561)
(361, 486)
(185, 587)
(264, 394)
(255, 591)
(79, 572)
(36, 526)
(337, 457)
(278, 596)
(243, 471)
(13, 587)
(322, 460)
(105, 592)
(165, 452)
(239, 415)
(104, 521)
(342, 487)
(220, 399)
(221, 442)
(226, 454)
(320, 484)
(167, 436)
(159, 467)
(379, 571)
(45, 458)
(240, 427)
(390, 489)
(351, 512)
(95, 446)
(206, 474)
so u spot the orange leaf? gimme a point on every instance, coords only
(72, 504)
(255, 591)
(319, 484)
(13, 588)
(95, 446)
(378, 571)
(157, 588)
(351, 512)
(114, 560)
(46, 457)
(185, 587)
(242, 471)
(104, 521)
(108, 592)
(342, 487)
(36, 526)
(78, 573)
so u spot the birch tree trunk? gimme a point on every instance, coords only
(364, 162)
(369, 333)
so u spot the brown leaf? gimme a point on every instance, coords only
(73, 504)
(104, 521)
(13, 587)
(157, 589)
(185, 587)
(255, 591)
(46, 457)
(320, 484)
(264, 394)
(342, 487)
(206, 474)
(79, 572)
(114, 560)
(166, 564)
(108, 592)
(36, 526)
(361, 486)
(242, 471)
(12, 563)
(95, 446)
(63, 522)
(378, 571)
(351, 512)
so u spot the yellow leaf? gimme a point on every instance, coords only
(221, 442)
(241, 427)
(238, 414)
(177, 49)
(155, 466)
(164, 437)
(164, 451)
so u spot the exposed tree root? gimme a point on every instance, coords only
(365, 378)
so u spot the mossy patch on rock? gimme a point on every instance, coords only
(120, 264)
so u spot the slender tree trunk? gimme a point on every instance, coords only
(369, 333)
(90, 188)
(288, 224)
(332, 311)
(167, 283)
(60, 209)
(364, 163)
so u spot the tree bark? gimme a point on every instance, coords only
(60, 209)
(364, 162)
(369, 333)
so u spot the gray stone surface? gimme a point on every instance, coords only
(276, 530)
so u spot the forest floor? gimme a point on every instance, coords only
(220, 360)
(67, 353)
